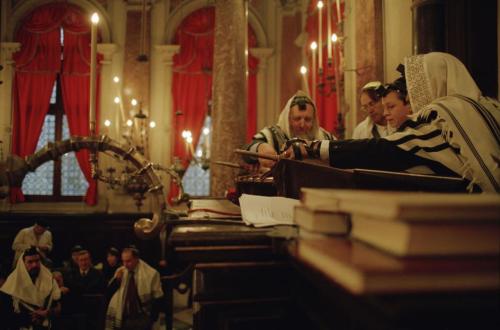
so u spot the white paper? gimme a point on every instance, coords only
(262, 211)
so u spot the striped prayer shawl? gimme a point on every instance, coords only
(461, 134)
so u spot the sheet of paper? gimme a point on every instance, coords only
(262, 211)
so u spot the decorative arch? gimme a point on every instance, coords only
(188, 7)
(23, 8)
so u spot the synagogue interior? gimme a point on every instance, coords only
(249, 164)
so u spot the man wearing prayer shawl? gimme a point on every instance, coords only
(454, 129)
(136, 303)
(298, 119)
(29, 296)
(375, 124)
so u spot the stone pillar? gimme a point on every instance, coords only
(106, 106)
(161, 110)
(6, 76)
(263, 110)
(229, 90)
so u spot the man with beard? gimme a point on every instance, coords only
(297, 120)
(29, 296)
(38, 236)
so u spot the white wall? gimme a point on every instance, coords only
(397, 29)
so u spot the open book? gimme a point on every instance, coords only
(262, 211)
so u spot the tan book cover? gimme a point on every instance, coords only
(406, 206)
(318, 221)
(403, 238)
(362, 269)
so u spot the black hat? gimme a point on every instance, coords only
(41, 222)
(114, 251)
(76, 248)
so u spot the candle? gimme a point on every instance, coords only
(335, 67)
(314, 46)
(329, 31)
(303, 71)
(93, 71)
(320, 36)
(339, 15)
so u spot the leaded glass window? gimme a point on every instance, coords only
(196, 180)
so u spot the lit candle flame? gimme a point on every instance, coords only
(95, 18)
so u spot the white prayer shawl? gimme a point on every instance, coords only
(31, 295)
(147, 280)
(364, 130)
(317, 133)
(26, 238)
(452, 123)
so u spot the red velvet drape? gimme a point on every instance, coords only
(326, 97)
(192, 79)
(75, 85)
(37, 64)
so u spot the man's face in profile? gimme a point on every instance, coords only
(32, 264)
(301, 121)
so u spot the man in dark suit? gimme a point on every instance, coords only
(87, 285)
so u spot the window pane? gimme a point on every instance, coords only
(53, 96)
(73, 182)
(41, 181)
(196, 181)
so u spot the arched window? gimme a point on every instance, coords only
(62, 179)
(51, 101)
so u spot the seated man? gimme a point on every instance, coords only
(30, 296)
(86, 279)
(454, 129)
(37, 236)
(71, 264)
(375, 124)
(136, 302)
(297, 120)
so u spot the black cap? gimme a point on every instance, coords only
(41, 222)
(114, 251)
(76, 248)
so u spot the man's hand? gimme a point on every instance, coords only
(119, 273)
(39, 315)
(266, 149)
(289, 153)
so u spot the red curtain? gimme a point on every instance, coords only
(37, 64)
(326, 96)
(192, 79)
(75, 85)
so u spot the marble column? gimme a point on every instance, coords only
(265, 115)
(6, 76)
(106, 106)
(229, 90)
(161, 114)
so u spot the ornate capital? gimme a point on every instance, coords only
(262, 54)
(167, 52)
(8, 48)
(107, 50)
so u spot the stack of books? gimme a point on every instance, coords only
(413, 223)
(320, 217)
